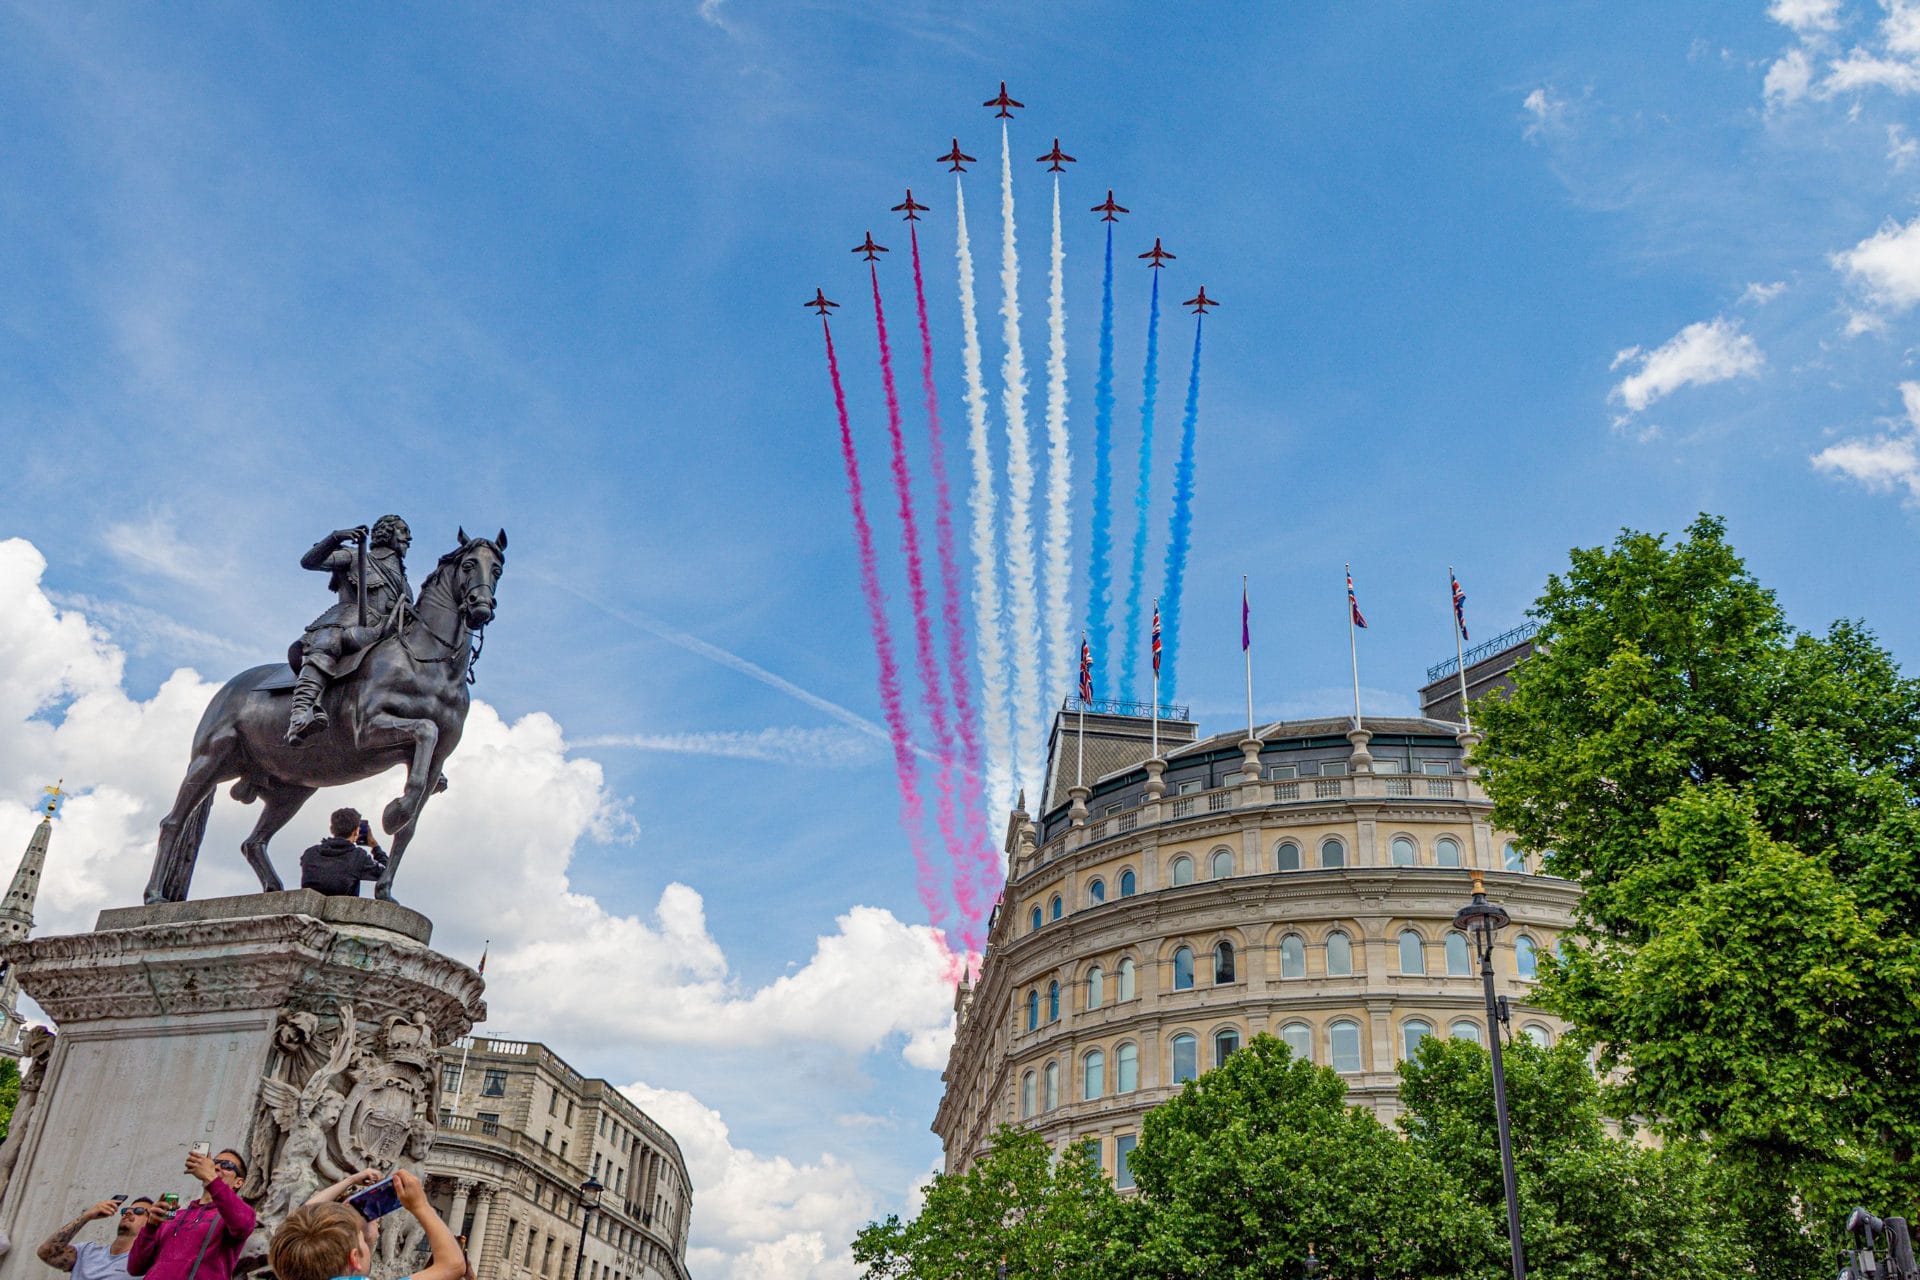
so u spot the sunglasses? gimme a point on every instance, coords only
(228, 1165)
(133, 1210)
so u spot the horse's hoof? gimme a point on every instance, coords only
(394, 816)
(383, 892)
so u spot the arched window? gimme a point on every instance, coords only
(1097, 892)
(1225, 1044)
(1412, 1032)
(1332, 852)
(1446, 851)
(1526, 962)
(1343, 1045)
(1127, 884)
(1126, 980)
(1054, 907)
(1026, 1095)
(1096, 987)
(1538, 1034)
(1183, 870)
(1293, 957)
(1339, 955)
(1036, 919)
(1093, 1075)
(1413, 952)
(1287, 856)
(1033, 1010)
(1298, 1037)
(1186, 1058)
(1222, 963)
(1053, 1002)
(1516, 860)
(1222, 863)
(1126, 1068)
(1404, 854)
(1464, 1029)
(1053, 1086)
(1183, 969)
(1459, 962)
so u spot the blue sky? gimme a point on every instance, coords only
(1494, 285)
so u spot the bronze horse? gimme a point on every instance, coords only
(406, 705)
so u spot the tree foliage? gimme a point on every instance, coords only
(1738, 802)
(9, 1093)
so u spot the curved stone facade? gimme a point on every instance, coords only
(1301, 884)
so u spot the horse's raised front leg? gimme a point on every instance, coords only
(278, 805)
(400, 815)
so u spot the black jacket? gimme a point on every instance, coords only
(337, 866)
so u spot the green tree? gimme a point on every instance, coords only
(1595, 1206)
(9, 1093)
(1740, 803)
(1015, 1204)
(1257, 1160)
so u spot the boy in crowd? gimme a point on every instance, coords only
(326, 1240)
(90, 1260)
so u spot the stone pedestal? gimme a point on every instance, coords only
(297, 1029)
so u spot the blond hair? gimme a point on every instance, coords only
(316, 1242)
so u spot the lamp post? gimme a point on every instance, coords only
(1480, 920)
(589, 1201)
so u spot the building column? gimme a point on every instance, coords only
(477, 1237)
(457, 1215)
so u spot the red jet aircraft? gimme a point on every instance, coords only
(820, 302)
(1002, 102)
(1200, 302)
(868, 247)
(1109, 208)
(1157, 257)
(956, 158)
(913, 207)
(1056, 160)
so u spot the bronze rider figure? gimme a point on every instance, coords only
(334, 638)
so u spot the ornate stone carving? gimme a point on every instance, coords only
(34, 1050)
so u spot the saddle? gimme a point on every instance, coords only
(283, 681)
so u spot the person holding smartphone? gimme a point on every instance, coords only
(325, 1239)
(91, 1260)
(348, 855)
(201, 1240)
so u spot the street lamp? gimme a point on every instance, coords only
(1480, 920)
(589, 1201)
(1312, 1266)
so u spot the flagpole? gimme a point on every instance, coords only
(1080, 752)
(1155, 720)
(1459, 650)
(1353, 650)
(1246, 651)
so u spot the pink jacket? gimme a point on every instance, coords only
(166, 1252)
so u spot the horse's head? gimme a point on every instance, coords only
(472, 568)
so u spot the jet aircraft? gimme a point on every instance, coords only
(956, 159)
(820, 302)
(868, 247)
(1108, 208)
(913, 207)
(1056, 160)
(1200, 302)
(1156, 256)
(1003, 102)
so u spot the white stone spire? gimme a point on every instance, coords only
(16, 916)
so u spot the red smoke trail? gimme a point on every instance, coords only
(978, 846)
(924, 661)
(912, 812)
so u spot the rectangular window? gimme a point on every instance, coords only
(1333, 768)
(450, 1078)
(1122, 1171)
(1189, 788)
(1282, 771)
(1110, 810)
(1386, 766)
(563, 1148)
(489, 1121)
(494, 1085)
(1439, 768)
(445, 1115)
(1091, 1148)
(569, 1112)
(553, 1103)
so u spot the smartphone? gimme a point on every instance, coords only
(376, 1201)
(121, 1198)
(366, 832)
(202, 1148)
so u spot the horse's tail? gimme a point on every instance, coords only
(184, 847)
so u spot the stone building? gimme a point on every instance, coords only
(1301, 882)
(520, 1131)
(16, 917)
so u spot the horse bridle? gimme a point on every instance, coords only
(452, 645)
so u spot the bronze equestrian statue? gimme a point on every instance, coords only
(389, 685)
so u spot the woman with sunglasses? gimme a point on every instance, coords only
(90, 1260)
(201, 1240)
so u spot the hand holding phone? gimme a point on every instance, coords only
(376, 1201)
(365, 834)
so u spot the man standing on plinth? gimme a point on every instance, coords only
(366, 609)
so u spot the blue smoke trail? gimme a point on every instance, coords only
(1180, 535)
(1100, 572)
(1142, 498)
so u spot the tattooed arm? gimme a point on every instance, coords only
(57, 1249)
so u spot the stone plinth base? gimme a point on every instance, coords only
(297, 1029)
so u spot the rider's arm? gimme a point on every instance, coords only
(331, 551)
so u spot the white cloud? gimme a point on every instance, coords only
(1789, 79)
(1757, 293)
(1547, 112)
(757, 1217)
(1704, 352)
(1902, 150)
(153, 544)
(1885, 269)
(1863, 70)
(1882, 463)
(831, 748)
(1806, 15)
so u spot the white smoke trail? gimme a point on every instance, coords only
(1059, 476)
(1024, 628)
(982, 505)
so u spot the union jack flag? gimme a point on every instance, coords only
(1156, 637)
(1086, 671)
(1353, 603)
(1459, 604)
